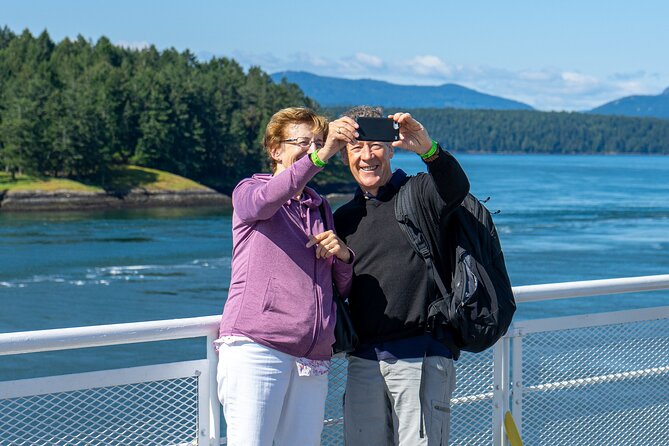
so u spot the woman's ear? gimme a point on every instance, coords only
(275, 153)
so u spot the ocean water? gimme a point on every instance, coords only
(562, 218)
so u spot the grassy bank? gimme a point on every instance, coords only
(123, 180)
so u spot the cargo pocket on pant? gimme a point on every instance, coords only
(440, 417)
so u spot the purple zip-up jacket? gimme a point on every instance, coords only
(280, 294)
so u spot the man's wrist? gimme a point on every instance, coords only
(430, 153)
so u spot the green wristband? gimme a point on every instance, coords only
(432, 150)
(316, 160)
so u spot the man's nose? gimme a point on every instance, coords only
(367, 151)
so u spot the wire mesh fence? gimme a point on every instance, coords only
(159, 412)
(333, 429)
(472, 401)
(598, 385)
(150, 405)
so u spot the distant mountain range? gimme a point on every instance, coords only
(640, 106)
(332, 91)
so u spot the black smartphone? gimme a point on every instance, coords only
(378, 129)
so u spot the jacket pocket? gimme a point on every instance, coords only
(270, 297)
(440, 423)
(293, 298)
(470, 301)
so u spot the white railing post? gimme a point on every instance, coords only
(500, 399)
(203, 406)
(214, 412)
(517, 380)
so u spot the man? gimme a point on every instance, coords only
(400, 379)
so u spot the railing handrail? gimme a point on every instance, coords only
(111, 334)
(566, 290)
(134, 332)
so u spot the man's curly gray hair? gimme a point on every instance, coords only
(365, 111)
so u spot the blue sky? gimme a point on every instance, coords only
(559, 55)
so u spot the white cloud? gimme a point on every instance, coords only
(628, 75)
(578, 82)
(369, 60)
(429, 66)
(536, 76)
(356, 65)
(546, 88)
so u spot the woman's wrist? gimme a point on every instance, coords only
(346, 256)
(318, 162)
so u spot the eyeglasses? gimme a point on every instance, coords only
(304, 142)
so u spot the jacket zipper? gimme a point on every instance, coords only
(318, 308)
(318, 322)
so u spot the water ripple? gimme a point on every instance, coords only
(105, 276)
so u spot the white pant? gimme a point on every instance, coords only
(264, 400)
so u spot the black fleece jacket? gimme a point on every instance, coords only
(390, 295)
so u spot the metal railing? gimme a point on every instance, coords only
(600, 379)
(588, 379)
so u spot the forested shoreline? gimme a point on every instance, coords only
(520, 131)
(77, 109)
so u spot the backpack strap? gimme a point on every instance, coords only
(405, 213)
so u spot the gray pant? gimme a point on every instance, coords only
(382, 404)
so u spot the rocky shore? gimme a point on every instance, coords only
(64, 200)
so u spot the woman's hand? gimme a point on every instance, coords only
(328, 245)
(340, 132)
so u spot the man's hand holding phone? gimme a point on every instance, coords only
(413, 135)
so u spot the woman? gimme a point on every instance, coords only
(278, 322)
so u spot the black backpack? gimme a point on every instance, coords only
(478, 309)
